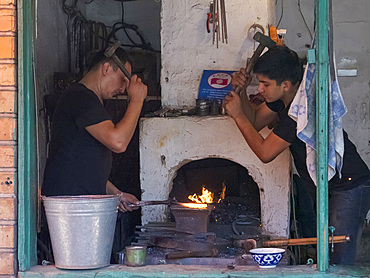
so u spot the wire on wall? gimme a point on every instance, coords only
(300, 12)
(304, 20)
(125, 27)
(282, 13)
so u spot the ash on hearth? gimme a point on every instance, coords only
(237, 209)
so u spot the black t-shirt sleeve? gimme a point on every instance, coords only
(286, 128)
(276, 106)
(86, 109)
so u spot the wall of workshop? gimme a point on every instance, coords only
(187, 48)
(8, 138)
(145, 14)
(352, 51)
(51, 52)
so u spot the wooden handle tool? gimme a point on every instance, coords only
(303, 241)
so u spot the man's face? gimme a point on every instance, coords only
(117, 81)
(269, 89)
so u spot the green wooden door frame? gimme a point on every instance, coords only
(27, 193)
(322, 89)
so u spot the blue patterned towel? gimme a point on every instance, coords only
(303, 111)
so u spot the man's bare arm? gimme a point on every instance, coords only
(265, 149)
(117, 137)
(260, 116)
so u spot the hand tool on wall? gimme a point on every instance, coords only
(217, 16)
(264, 41)
(209, 17)
(110, 53)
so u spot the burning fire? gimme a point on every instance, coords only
(207, 196)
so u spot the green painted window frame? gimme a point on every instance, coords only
(27, 182)
(27, 186)
(322, 92)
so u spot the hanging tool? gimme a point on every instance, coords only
(223, 21)
(110, 53)
(217, 16)
(209, 17)
(264, 41)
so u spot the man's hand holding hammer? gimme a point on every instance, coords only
(241, 79)
(237, 103)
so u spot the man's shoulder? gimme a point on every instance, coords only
(78, 91)
(276, 106)
(76, 88)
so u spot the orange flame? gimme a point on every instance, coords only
(222, 195)
(207, 196)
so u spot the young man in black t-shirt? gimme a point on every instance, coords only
(83, 136)
(279, 73)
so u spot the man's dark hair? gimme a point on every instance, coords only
(99, 58)
(280, 63)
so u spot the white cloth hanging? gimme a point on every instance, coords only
(303, 111)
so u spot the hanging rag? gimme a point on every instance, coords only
(303, 111)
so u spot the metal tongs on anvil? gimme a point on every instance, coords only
(152, 203)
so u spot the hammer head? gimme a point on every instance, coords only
(110, 53)
(110, 50)
(264, 40)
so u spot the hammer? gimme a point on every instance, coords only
(110, 53)
(264, 41)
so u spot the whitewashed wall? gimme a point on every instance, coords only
(187, 48)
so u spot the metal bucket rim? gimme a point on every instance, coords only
(78, 197)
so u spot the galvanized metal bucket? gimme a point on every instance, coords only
(81, 229)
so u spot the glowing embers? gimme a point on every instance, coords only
(194, 205)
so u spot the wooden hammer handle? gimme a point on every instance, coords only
(250, 63)
(303, 241)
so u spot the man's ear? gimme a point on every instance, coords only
(287, 85)
(105, 68)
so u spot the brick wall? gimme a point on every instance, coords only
(8, 139)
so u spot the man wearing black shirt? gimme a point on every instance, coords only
(279, 73)
(83, 135)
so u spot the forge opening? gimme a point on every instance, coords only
(241, 203)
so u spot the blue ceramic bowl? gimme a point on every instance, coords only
(267, 257)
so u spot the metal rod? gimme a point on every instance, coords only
(224, 21)
(213, 22)
(217, 23)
